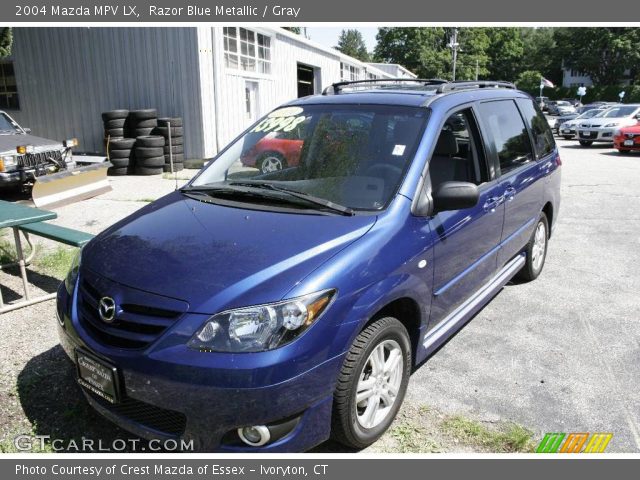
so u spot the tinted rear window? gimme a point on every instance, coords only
(507, 131)
(542, 134)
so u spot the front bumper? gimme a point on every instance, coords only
(23, 175)
(163, 400)
(597, 134)
(619, 142)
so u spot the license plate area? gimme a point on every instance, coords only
(628, 143)
(98, 376)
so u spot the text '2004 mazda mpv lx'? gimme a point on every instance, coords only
(268, 311)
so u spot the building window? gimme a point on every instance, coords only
(247, 50)
(348, 72)
(8, 88)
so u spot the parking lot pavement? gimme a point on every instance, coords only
(560, 354)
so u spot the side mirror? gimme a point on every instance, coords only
(454, 196)
(26, 130)
(638, 116)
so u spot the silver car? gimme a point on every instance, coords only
(602, 127)
(568, 128)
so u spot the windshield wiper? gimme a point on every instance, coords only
(323, 202)
(261, 189)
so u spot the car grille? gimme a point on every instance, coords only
(161, 419)
(632, 135)
(33, 159)
(135, 326)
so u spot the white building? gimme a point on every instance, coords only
(574, 78)
(59, 80)
(394, 69)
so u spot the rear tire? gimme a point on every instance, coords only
(376, 369)
(536, 251)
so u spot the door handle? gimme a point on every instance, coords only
(491, 204)
(509, 193)
(545, 167)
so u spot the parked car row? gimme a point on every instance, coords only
(618, 125)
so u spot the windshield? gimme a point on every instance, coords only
(619, 112)
(352, 156)
(7, 126)
(562, 103)
(590, 114)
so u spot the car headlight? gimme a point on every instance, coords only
(72, 275)
(608, 125)
(6, 162)
(261, 327)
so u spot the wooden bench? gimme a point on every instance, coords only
(65, 235)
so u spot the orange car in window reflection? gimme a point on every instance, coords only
(273, 153)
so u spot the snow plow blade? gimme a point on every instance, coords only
(69, 186)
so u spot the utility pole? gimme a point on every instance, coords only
(477, 68)
(453, 44)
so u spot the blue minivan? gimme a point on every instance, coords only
(286, 293)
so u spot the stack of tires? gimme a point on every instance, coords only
(120, 153)
(176, 147)
(115, 123)
(142, 122)
(149, 155)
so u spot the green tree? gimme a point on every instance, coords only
(352, 43)
(603, 53)
(6, 41)
(541, 53)
(529, 81)
(472, 59)
(505, 52)
(297, 30)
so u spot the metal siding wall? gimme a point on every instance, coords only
(68, 76)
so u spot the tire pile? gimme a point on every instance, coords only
(137, 142)
(176, 147)
(115, 123)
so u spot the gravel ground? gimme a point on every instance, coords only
(558, 354)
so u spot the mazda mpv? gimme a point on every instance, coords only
(269, 311)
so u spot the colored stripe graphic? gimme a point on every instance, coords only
(598, 442)
(550, 443)
(574, 442)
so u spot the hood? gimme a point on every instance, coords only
(9, 143)
(631, 128)
(217, 257)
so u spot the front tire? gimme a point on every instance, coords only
(372, 383)
(568, 137)
(586, 143)
(536, 251)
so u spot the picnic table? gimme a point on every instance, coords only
(14, 215)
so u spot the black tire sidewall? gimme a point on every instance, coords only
(392, 330)
(528, 273)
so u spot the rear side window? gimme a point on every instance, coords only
(542, 135)
(506, 129)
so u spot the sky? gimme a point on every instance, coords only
(328, 36)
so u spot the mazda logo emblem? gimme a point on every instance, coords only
(107, 309)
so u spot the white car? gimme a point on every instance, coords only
(569, 128)
(602, 127)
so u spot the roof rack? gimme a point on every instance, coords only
(468, 84)
(336, 88)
